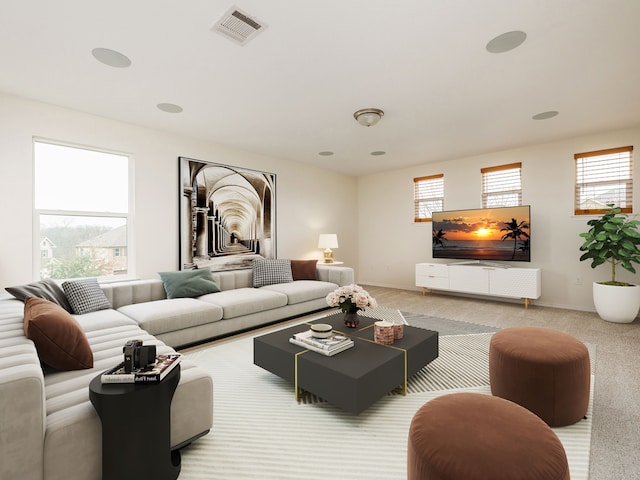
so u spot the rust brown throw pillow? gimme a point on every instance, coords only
(304, 269)
(59, 340)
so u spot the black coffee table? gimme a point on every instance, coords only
(356, 378)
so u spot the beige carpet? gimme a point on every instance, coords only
(260, 431)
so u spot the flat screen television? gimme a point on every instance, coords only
(485, 234)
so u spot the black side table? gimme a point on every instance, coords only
(136, 428)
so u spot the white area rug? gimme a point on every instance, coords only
(261, 432)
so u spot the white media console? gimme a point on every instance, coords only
(481, 279)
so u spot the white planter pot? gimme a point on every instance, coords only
(616, 304)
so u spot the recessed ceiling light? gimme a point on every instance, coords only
(325, 154)
(506, 41)
(378, 153)
(545, 115)
(111, 57)
(169, 107)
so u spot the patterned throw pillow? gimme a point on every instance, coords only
(85, 295)
(271, 271)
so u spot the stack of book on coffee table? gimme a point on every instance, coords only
(332, 344)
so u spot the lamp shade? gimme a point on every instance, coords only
(328, 240)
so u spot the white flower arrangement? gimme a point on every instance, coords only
(351, 298)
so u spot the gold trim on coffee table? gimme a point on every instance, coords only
(406, 366)
(295, 374)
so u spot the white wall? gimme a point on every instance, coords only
(384, 244)
(391, 243)
(309, 200)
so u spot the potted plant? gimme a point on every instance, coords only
(614, 238)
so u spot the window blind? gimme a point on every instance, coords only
(604, 177)
(428, 196)
(502, 186)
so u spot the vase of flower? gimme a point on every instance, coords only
(351, 319)
(351, 299)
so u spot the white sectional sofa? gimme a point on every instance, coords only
(237, 307)
(48, 427)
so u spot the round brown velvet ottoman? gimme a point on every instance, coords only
(471, 436)
(546, 371)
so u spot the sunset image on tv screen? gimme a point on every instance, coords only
(483, 234)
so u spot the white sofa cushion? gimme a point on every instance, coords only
(161, 316)
(101, 319)
(245, 301)
(303, 290)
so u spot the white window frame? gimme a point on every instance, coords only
(428, 194)
(129, 215)
(603, 172)
(501, 183)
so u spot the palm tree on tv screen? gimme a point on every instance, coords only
(439, 238)
(515, 230)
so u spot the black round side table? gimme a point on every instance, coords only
(136, 428)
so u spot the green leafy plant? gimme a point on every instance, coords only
(612, 238)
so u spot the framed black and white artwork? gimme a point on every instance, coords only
(227, 215)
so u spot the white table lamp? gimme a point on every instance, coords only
(328, 241)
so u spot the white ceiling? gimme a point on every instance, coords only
(292, 90)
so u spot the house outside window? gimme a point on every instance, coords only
(81, 211)
(428, 194)
(604, 177)
(502, 186)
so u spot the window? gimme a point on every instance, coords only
(501, 186)
(604, 177)
(81, 211)
(428, 196)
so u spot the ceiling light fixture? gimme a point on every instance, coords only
(377, 153)
(111, 57)
(325, 154)
(506, 41)
(368, 117)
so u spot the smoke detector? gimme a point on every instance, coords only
(238, 26)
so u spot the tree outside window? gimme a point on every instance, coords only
(81, 211)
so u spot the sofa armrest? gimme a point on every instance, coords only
(338, 275)
(22, 414)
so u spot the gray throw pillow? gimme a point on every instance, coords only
(47, 289)
(85, 295)
(271, 271)
(188, 283)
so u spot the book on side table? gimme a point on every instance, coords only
(329, 346)
(152, 373)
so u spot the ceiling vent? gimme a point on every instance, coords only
(238, 26)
